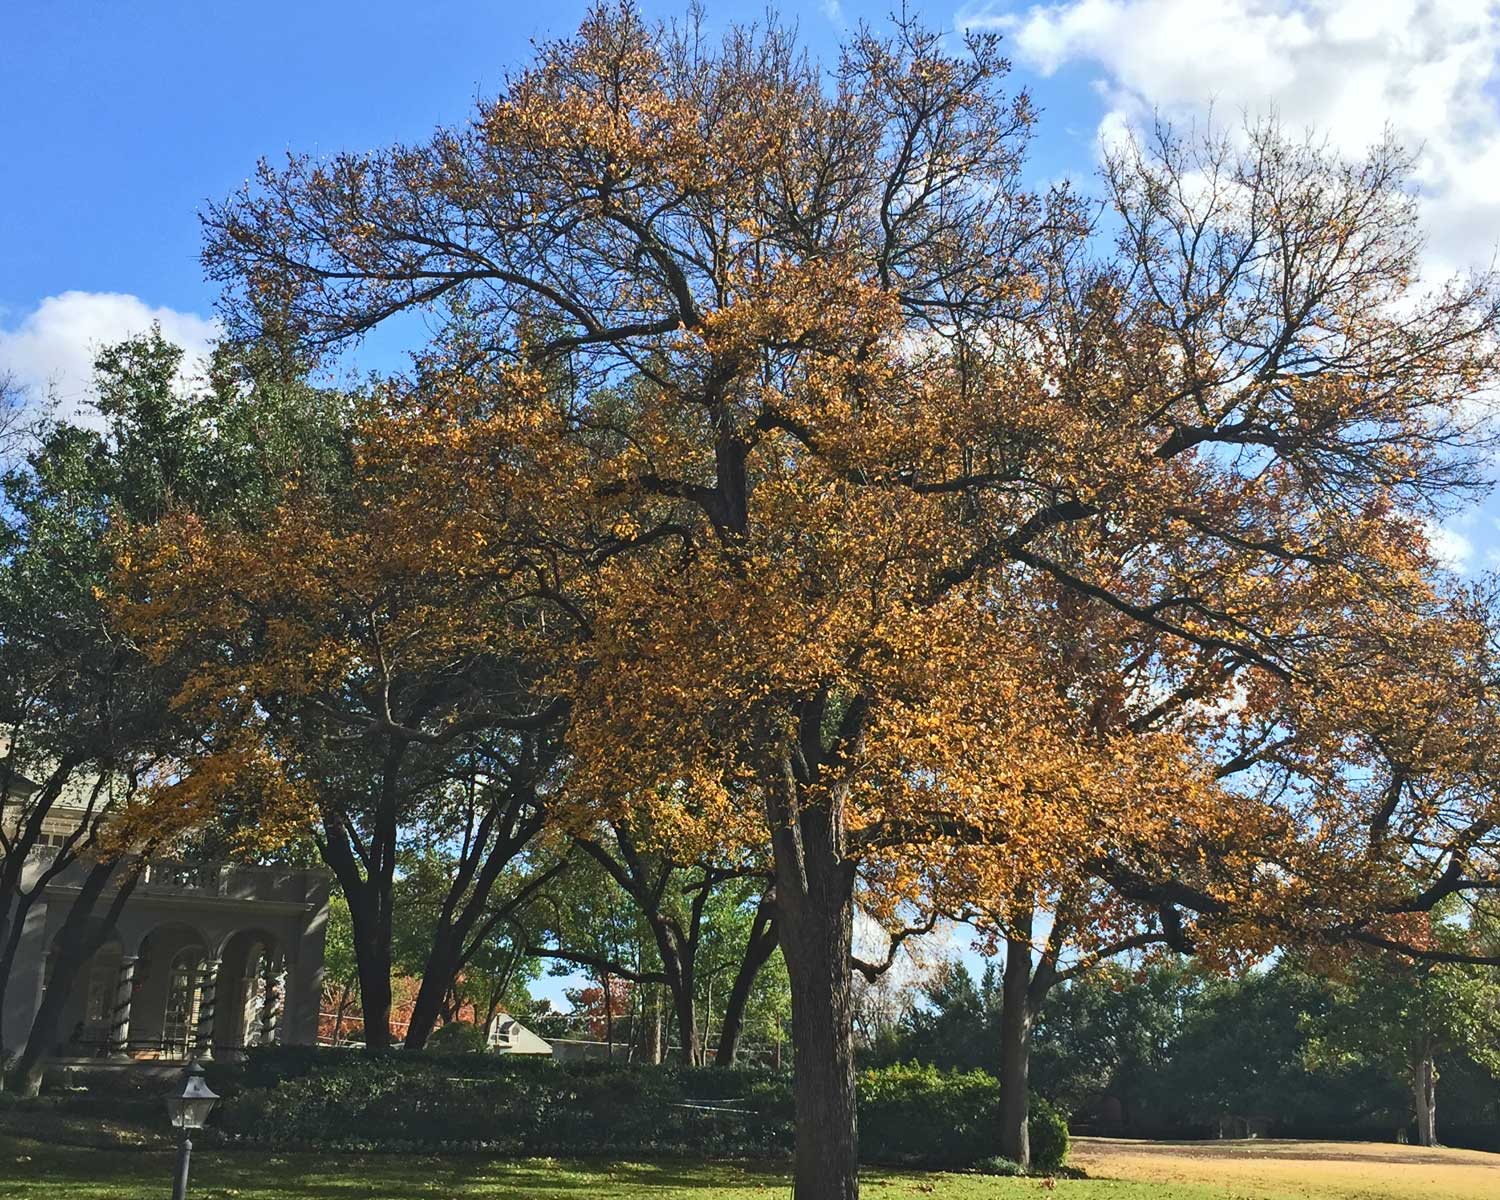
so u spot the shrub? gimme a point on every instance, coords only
(919, 1115)
(996, 1165)
(545, 1107)
(459, 1037)
(1047, 1132)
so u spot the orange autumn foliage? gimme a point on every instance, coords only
(861, 505)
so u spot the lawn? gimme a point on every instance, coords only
(1119, 1170)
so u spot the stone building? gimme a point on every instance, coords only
(206, 959)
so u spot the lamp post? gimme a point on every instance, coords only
(188, 1110)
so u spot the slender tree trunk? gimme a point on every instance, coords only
(339, 1010)
(25, 839)
(708, 1020)
(758, 951)
(1424, 1094)
(815, 902)
(1015, 1052)
(654, 1054)
(437, 975)
(609, 1020)
(78, 939)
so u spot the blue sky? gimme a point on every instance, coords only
(119, 119)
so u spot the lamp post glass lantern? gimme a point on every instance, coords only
(188, 1109)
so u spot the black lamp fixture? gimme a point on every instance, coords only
(188, 1110)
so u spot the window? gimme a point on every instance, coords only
(179, 1029)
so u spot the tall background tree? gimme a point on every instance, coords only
(773, 398)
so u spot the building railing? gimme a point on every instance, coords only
(229, 881)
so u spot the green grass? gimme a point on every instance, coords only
(41, 1171)
(47, 1169)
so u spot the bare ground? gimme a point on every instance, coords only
(1268, 1169)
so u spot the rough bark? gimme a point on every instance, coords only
(817, 938)
(372, 954)
(1015, 1052)
(682, 983)
(438, 971)
(1424, 1096)
(365, 868)
(815, 910)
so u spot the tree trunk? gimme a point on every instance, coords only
(78, 939)
(372, 955)
(815, 901)
(708, 1020)
(609, 1020)
(681, 984)
(437, 975)
(339, 1010)
(1424, 1094)
(11, 932)
(366, 878)
(654, 1051)
(465, 908)
(758, 951)
(1015, 1052)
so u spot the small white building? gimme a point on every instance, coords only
(509, 1036)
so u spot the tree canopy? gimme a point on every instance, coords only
(789, 445)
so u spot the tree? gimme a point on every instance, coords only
(488, 960)
(1244, 1049)
(1109, 1033)
(89, 717)
(1403, 1016)
(349, 680)
(673, 899)
(799, 389)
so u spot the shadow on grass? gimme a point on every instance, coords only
(49, 1169)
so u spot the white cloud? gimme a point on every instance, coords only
(834, 11)
(50, 352)
(1450, 547)
(1428, 69)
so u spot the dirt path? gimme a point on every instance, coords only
(1266, 1169)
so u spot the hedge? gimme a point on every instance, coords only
(910, 1115)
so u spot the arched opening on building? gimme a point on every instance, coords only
(88, 1015)
(252, 988)
(170, 992)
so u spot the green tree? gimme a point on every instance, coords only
(340, 970)
(1243, 1050)
(1110, 1033)
(1407, 1016)
(88, 717)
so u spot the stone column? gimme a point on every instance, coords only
(119, 1024)
(273, 977)
(304, 958)
(208, 987)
